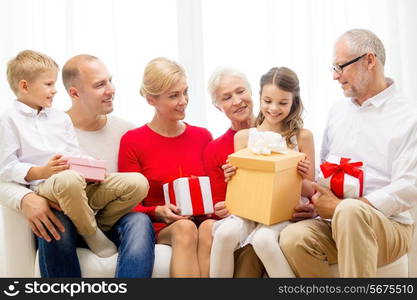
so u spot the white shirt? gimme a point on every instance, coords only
(101, 144)
(30, 139)
(383, 134)
(104, 143)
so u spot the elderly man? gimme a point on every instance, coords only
(379, 127)
(89, 85)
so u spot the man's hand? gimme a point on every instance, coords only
(168, 213)
(220, 210)
(303, 211)
(36, 210)
(324, 201)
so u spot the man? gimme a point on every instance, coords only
(88, 83)
(379, 127)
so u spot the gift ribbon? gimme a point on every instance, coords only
(338, 171)
(171, 191)
(195, 194)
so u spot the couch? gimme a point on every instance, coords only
(18, 255)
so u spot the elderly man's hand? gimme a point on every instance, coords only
(324, 201)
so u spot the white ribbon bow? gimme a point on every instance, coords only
(265, 142)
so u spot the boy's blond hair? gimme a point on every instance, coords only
(27, 65)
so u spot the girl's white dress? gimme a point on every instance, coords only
(247, 230)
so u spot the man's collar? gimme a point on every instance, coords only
(380, 98)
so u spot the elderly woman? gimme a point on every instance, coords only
(231, 93)
(163, 149)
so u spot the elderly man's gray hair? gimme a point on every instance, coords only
(362, 41)
(218, 75)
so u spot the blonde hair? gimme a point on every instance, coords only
(160, 75)
(27, 65)
(287, 80)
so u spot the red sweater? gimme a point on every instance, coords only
(215, 156)
(161, 159)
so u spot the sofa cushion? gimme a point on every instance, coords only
(94, 266)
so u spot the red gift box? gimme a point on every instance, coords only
(344, 177)
(192, 195)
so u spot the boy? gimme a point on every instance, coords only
(31, 133)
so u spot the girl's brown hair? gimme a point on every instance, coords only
(285, 79)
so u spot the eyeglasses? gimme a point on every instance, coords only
(339, 68)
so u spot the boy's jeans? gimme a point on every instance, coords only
(133, 234)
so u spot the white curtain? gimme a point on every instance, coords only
(252, 35)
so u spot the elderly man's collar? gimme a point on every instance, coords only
(380, 98)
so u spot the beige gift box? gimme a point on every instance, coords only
(265, 188)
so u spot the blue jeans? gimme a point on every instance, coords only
(133, 235)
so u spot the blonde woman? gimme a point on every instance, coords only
(163, 149)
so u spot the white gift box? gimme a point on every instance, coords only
(192, 195)
(352, 186)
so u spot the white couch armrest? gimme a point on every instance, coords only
(17, 246)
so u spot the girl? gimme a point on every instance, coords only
(161, 150)
(280, 111)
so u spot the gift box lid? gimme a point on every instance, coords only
(274, 162)
(96, 163)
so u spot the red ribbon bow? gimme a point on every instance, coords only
(338, 171)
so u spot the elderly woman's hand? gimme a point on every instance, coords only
(229, 170)
(168, 213)
(220, 210)
(303, 211)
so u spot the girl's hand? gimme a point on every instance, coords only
(168, 213)
(303, 168)
(220, 210)
(229, 170)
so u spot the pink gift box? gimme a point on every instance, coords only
(90, 169)
(192, 195)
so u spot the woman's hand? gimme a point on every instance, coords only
(220, 210)
(168, 213)
(229, 170)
